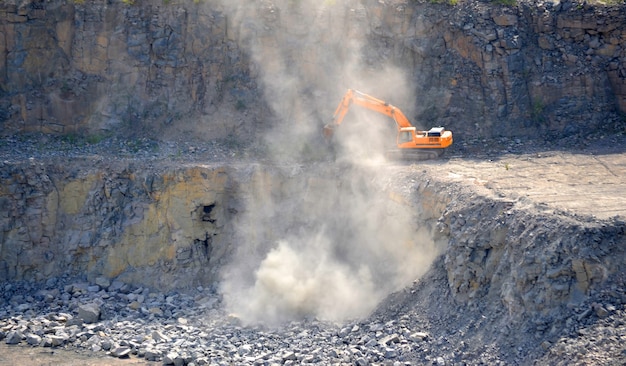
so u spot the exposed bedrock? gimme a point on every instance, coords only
(531, 262)
(182, 227)
(224, 69)
(156, 229)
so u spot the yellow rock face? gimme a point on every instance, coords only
(140, 226)
(74, 194)
(172, 222)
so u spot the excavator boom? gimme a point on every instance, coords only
(410, 141)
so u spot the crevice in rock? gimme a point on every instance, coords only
(206, 214)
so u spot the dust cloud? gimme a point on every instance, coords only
(325, 241)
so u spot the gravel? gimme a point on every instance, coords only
(186, 329)
(193, 329)
(37, 146)
(40, 146)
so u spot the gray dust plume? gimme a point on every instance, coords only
(330, 243)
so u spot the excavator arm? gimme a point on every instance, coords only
(369, 102)
(408, 139)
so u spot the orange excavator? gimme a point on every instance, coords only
(411, 143)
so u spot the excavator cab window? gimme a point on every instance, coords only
(435, 131)
(405, 136)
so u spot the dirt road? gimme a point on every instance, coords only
(588, 183)
(40, 356)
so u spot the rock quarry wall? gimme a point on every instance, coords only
(176, 228)
(157, 229)
(215, 69)
(527, 262)
(530, 262)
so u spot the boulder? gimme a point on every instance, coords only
(89, 313)
(13, 337)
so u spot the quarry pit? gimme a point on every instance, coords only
(510, 257)
(166, 196)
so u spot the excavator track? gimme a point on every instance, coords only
(414, 154)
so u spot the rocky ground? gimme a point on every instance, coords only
(144, 150)
(74, 323)
(70, 321)
(177, 329)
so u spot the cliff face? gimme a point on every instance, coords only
(236, 227)
(181, 227)
(71, 67)
(215, 69)
(142, 226)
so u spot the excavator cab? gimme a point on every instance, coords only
(405, 135)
